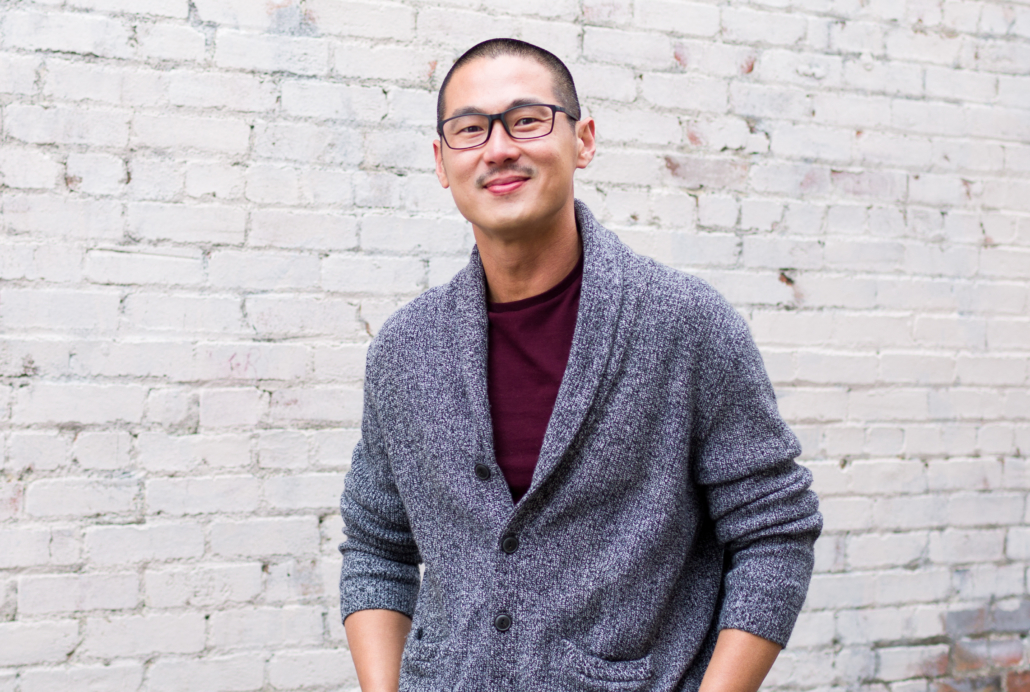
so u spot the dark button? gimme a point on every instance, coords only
(482, 472)
(510, 544)
(502, 622)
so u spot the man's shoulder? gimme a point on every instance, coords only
(686, 299)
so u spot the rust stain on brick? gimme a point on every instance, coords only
(1018, 682)
(679, 53)
(748, 66)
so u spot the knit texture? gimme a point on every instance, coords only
(665, 504)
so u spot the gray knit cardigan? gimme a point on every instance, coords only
(665, 504)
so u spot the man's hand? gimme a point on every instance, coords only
(376, 641)
(740, 662)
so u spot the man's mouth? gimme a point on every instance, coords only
(506, 183)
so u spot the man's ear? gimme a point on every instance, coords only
(441, 174)
(586, 143)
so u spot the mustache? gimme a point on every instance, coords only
(515, 168)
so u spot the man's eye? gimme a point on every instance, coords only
(470, 129)
(526, 121)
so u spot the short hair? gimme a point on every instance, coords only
(564, 87)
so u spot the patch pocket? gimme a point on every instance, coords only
(593, 673)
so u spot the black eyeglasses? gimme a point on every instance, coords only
(531, 121)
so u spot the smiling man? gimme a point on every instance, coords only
(579, 444)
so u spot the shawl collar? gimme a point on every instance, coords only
(600, 305)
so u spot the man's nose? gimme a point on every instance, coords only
(500, 147)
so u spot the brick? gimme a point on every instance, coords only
(192, 224)
(263, 270)
(272, 184)
(78, 403)
(683, 92)
(605, 82)
(397, 63)
(240, 50)
(200, 586)
(27, 169)
(53, 216)
(154, 267)
(805, 69)
(56, 263)
(184, 313)
(202, 495)
(18, 73)
(647, 50)
(68, 33)
(297, 315)
(983, 582)
(169, 42)
(67, 125)
(63, 593)
(156, 177)
(244, 13)
(220, 408)
(184, 132)
(996, 370)
(12, 495)
(364, 19)
(326, 404)
(23, 643)
(161, 452)
(333, 101)
(886, 550)
(762, 251)
(214, 179)
(308, 143)
(136, 635)
(985, 509)
(267, 536)
(280, 627)
(121, 675)
(314, 491)
(303, 229)
(685, 18)
(178, 9)
(78, 81)
(234, 673)
(742, 25)
(888, 624)
(102, 450)
(899, 663)
(966, 546)
(917, 368)
(24, 547)
(250, 361)
(232, 92)
(354, 273)
(282, 449)
(144, 543)
(289, 669)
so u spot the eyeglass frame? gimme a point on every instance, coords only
(500, 116)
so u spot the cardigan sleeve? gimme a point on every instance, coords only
(764, 513)
(380, 557)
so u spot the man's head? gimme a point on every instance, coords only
(507, 184)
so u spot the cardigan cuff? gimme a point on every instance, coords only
(368, 582)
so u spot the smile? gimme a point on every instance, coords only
(506, 184)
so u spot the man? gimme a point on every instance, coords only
(579, 445)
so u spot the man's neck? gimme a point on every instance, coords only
(524, 265)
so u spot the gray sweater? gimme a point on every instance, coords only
(665, 505)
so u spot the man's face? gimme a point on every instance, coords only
(509, 187)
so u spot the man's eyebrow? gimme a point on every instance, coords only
(470, 110)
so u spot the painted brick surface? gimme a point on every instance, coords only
(208, 208)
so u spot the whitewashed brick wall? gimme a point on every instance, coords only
(209, 206)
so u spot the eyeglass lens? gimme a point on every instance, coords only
(525, 122)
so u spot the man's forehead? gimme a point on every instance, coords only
(498, 83)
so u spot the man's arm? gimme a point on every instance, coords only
(740, 662)
(376, 641)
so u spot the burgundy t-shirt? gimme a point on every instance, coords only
(529, 344)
